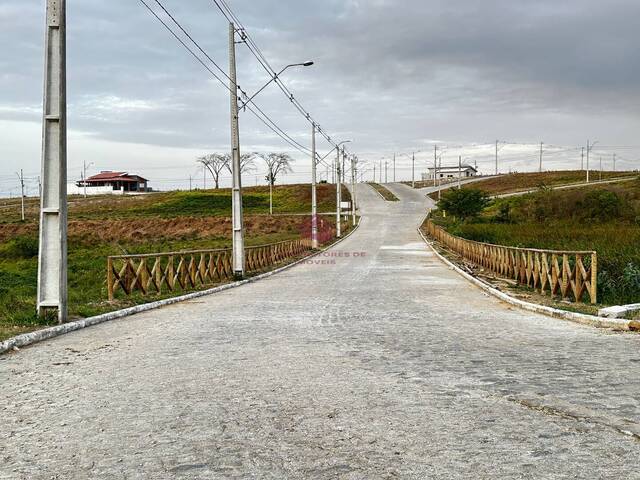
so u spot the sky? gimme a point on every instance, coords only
(392, 76)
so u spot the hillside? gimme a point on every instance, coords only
(522, 182)
(115, 225)
(604, 218)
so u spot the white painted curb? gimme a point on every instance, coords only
(52, 332)
(580, 318)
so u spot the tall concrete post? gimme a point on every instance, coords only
(314, 198)
(435, 164)
(394, 167)
(52, 257)
(588, 153)
(238, 221)
(413, 171)
(21, 177)
(354, 181)
(344, 170)
(541, 152)
(338, 194)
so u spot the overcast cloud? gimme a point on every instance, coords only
(391, 75)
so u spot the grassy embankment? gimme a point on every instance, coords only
(103, 226)
(523, 182)
(385, 192)
(604, 218)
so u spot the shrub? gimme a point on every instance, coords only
(20, 247)
(602, 205)
(504, 213)
(464, 203)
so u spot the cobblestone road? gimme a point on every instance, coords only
(379, 363)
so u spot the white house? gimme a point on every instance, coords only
(464, 171)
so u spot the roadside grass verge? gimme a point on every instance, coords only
(604, 218)
(519, 182)
(385, 192)
(164, 222)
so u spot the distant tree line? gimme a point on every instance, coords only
(276, 163)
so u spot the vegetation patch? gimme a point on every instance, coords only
(604, 218)
(523, 182)
(385, 192)
(104, 226)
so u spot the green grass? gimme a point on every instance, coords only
(518, 182)
(571, 220)
(177, 221)
(385, 192)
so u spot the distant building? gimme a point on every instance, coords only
(465, 171)
(117, 181)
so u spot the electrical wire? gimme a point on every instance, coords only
(253, 108)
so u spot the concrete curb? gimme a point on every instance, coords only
(376, 190)
(581, 318)
(52, 332)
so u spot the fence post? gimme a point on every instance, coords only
(594, 278)
(110, 278)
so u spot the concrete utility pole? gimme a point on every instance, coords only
(374, 172)
(588, 151)
(394, 168)
(271, 190)
(600, 168)
(497, 157)
(582, 160)
(541, 145)
(84, 175)
(238, 221)
(190, 183)
(21, 177)
(435, 164)
(354, 179)
(386, 172)
(413, 170)
(338, 194)
(344, 172)
(52, 257)
(314, 204)
(439, 182)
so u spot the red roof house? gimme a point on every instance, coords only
(118, 181)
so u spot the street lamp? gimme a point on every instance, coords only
(274, 78)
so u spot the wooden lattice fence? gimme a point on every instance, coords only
(160, 272)
(565, 274)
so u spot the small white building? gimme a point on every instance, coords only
(464, 171)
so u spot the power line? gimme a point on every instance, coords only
(228, 13)
(262, 116)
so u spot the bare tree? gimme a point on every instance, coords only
(277, 163)
(215, 163)
(246, 163)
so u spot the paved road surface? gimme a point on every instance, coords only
(382, 365)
